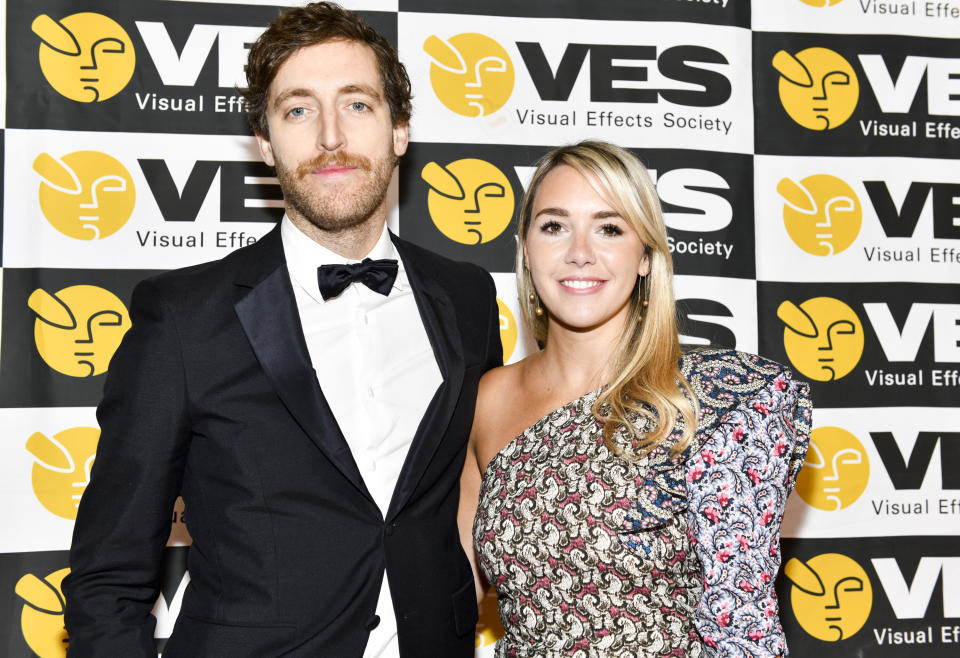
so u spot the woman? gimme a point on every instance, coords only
(630, 497)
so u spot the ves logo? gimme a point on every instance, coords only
(85, 195)
(823, 337)
(831, 595)
(86, 57)
(508, 330)
(470, 73)
(836, 470)
(61, 469)
(821, 3)
(470, 200)
(818, 88)
(78, 328)
(42, 618)
(822, 214)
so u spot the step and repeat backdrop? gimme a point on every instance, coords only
(805, 152)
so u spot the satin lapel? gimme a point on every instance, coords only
(439, 320)
(269, 316)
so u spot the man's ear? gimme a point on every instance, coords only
(266, 149)
(401, 138)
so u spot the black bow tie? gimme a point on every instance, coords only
(378, 275)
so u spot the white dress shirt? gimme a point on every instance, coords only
(376, 369)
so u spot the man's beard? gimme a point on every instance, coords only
(336, 209)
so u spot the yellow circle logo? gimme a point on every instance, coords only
(836, 470)
(822, 213)
(818, 88)
(85, 195)
(470, 73)
(42, 618)
(489, 629)
(831, 595)
(470, 200)
(821, 3)
(61, 469)
(508, 330)
(823, 337)
(78, 328)
(86, 57)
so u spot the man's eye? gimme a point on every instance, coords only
(296, 112)
(550, 227)
(611, 229)
(357, 106)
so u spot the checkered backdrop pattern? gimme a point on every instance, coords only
(805, 152)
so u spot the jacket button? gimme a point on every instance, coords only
(389, 529)
(373, 622)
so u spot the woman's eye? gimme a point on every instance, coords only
(550, 227)
(611, 229)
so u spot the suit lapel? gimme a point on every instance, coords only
(269, 316)
(439, 320)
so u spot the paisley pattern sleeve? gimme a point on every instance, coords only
(738, 481)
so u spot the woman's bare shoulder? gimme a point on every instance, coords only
(501, 406)
(496, 386)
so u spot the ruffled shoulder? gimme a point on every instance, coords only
(722, 381)
(725, 380)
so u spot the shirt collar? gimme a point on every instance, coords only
(304, 256)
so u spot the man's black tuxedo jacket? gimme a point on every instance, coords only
(212, 394)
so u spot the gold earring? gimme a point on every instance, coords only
(643, 296)
(537, 310)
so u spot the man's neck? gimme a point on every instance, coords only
(353, 243)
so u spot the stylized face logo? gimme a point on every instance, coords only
(821, 3)
(470, 200)
(61, 469)
(508, 330)
(85, 195)
(42, 618)
(836, 470)
(86, 57)
(823, 337)
(470, 73)
(818, 88)
(78, 328)
(831, 595)
(821, 213)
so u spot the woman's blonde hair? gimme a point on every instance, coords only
(647, 381)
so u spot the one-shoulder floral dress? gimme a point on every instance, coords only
(595, 556)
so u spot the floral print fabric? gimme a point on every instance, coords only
(596, 556)
(737, 484)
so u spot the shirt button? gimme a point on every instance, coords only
(370, 392)
(373, 465)
(373, 622)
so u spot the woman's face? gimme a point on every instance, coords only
(584, 257)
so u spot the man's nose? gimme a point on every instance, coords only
(330, 136)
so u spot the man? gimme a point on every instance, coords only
(315, 426)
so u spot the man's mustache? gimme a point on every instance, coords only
(337, 158)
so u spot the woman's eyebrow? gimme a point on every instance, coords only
(556, 212)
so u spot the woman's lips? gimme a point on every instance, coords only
(582, 286)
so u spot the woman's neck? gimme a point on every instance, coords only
(574, 362)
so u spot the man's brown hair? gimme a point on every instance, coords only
(319, 22)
